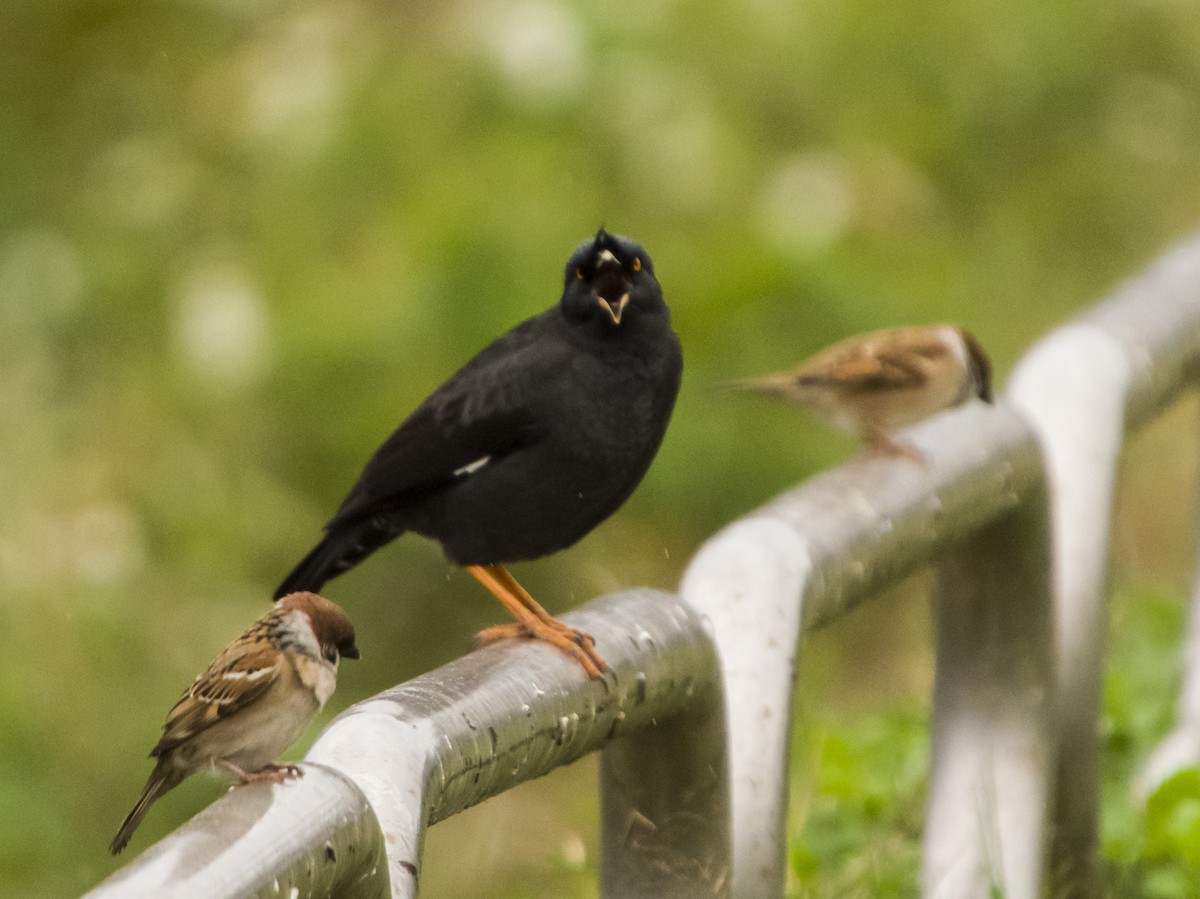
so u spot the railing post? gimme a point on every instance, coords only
(993, 734)
(664, 808)
(1073, 386)
(749, 581)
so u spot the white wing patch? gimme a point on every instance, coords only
(472, 467)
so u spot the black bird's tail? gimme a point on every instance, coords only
(341, 549)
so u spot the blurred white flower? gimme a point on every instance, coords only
(807, 204)
(294, 79)
(222, 330)
(539, 49)
(574, 851)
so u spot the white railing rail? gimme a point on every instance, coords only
(1014, 508)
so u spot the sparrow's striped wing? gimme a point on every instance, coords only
(880, 362)
(239, 677)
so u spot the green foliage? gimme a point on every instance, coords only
(1173, 823)
(1146, 851)
(859, 781)
(857, 814)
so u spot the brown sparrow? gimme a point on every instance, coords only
(253, 702)
(872, 383)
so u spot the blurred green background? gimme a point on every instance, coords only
(239, 242)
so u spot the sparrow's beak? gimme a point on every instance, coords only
(348, 652)
(614, 308)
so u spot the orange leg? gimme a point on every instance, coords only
(534, 622)
(880, 441)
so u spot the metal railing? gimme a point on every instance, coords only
(1014, 509)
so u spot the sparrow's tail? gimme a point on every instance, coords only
(768, 385)
(164, 777)
(340, 550)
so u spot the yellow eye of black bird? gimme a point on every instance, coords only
(579, 274)
(637, 264)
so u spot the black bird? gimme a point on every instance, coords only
(531, 444)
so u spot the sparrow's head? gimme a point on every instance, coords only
(610, 280)
(332, 629)
(979, 367)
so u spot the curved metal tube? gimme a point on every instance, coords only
(1083, 387)
(315, 836)
(813, 553)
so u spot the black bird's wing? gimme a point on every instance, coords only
(494, 405)
(491, 407)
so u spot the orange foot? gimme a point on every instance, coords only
(579, 645)
(885, 445)
(534, 622)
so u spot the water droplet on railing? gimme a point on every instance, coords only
(565, 729)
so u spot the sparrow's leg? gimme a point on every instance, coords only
(273, 773)
(880, 441)
(533, 621)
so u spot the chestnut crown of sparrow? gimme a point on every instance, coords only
(255, 700)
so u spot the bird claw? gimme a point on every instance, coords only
(885, 445)
(580, 645)
(582, 639)
(273, 773)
